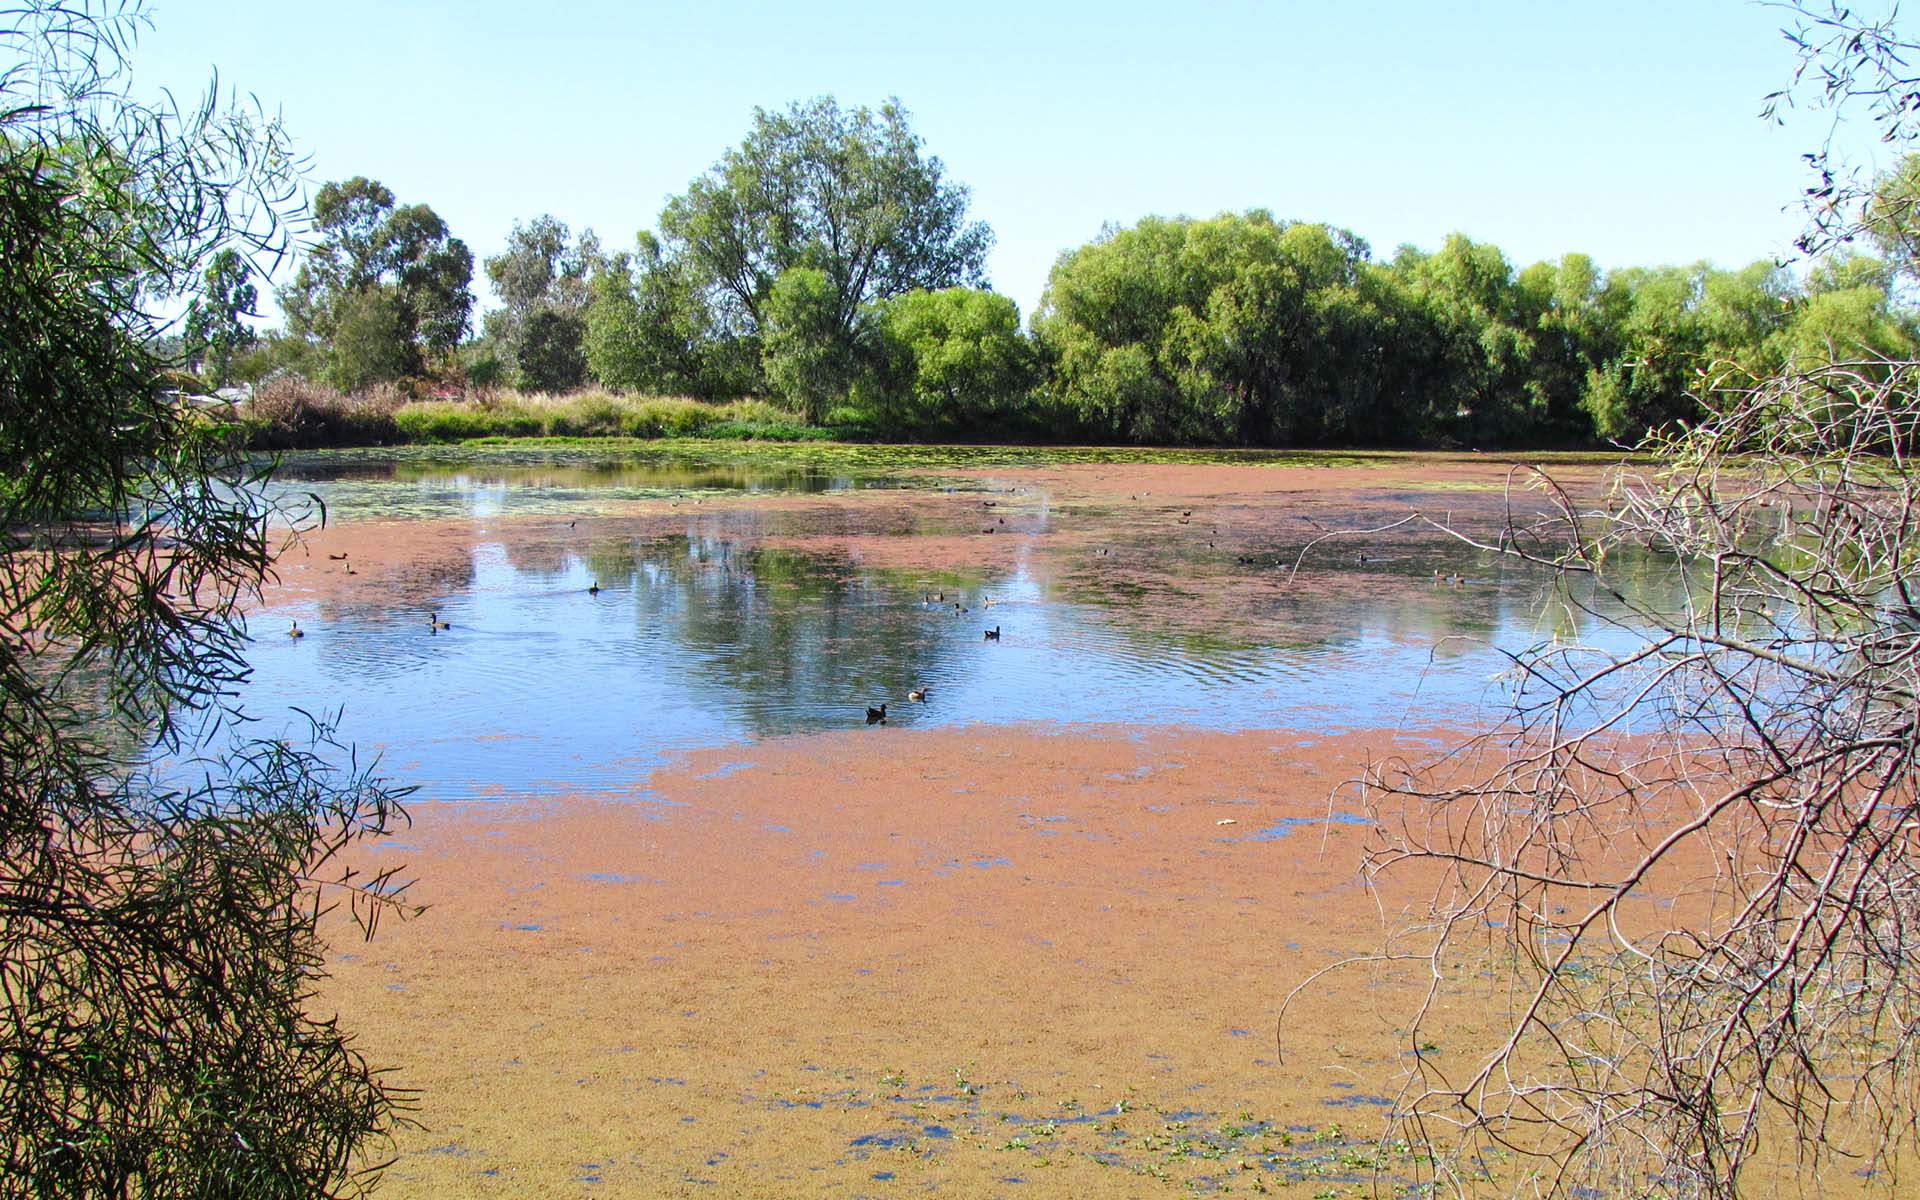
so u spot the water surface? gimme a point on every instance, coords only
(739, 616)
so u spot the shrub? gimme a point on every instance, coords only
(290, 413)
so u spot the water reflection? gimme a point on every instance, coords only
(752, 620)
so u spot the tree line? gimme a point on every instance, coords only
(829, 264)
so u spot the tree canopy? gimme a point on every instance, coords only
(846, 193)
(394, 278)
(541, 279)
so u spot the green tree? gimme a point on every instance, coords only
(1678, 325)
(370, 343)
(369, 245)
(649, 330)
(1845, 325)
(158, 944)
(214, 327)
(1891, 215)
(847, 194)
(810, 362)
(550, 355)
(1469, 289)
(1242, 329)
(542, 270)
(958, 357)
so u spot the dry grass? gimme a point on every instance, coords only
(291, 413)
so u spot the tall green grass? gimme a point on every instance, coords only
(294, 413)
(592, 414)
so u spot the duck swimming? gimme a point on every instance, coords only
(993, 635)
(877, 716)
(294, 630)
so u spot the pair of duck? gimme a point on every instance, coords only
(878, 716)
(434, 624)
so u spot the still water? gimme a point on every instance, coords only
(741, 602)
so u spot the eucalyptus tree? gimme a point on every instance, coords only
(542, 281)
(161, 885)
(649, 329)
(394, 275)
(214, 328)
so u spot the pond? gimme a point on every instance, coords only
(608, 609)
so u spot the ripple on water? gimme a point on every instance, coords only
(710, 638)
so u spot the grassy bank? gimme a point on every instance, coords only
(289, 414)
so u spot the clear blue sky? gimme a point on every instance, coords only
(1626, 129)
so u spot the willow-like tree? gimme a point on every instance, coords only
(846, 193)
(160, 882)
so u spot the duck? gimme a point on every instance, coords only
(918, 695)
(877, 716)
(435, 623)
(993, 635)
(594, 590)
(294, 630)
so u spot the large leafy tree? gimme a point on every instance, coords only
(158, 927)
(845, 193)
(1241, 328)
(954, 357)
(649, 329)
(809, 361)
(405, 254)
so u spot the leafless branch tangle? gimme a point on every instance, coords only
(1690, 851)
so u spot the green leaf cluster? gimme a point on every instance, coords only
(158, 943)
